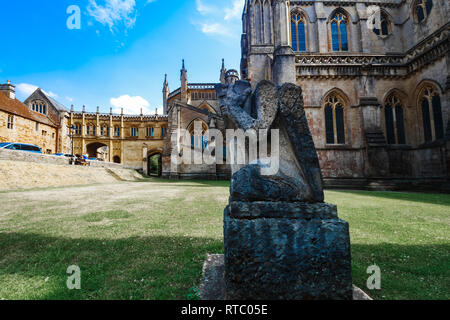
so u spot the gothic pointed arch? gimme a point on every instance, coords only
(429, 104)
(206, 106)
(383, 27)
(421, 9)
(339, 30)
(335, 104)
(198, 139)
(394, 117)
(299, 30)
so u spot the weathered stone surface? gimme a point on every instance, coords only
(297, 129)
(281, 240)
(266, 209)
(287, 258)
(248, 184)
(269, 107)
(212, 286)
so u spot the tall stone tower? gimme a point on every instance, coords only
(266, 49)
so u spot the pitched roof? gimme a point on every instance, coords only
(56, 104)
(39, 93)
(15, 107)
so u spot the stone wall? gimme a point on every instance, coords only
(32, 157)
(30, 132)
(12, 155)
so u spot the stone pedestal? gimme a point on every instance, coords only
(287, 251)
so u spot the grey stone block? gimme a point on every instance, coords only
(289, 257)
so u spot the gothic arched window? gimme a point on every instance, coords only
(431, 111)
(394, 120)
(298, 32)
(198, 141)
(334, 120)
(384, 28)
(422, 9)
(339, 32)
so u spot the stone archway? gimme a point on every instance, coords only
(154, 164)
(97, 150)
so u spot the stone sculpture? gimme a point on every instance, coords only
(281, 240)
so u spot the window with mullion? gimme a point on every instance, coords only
(431, 110)
(394, 121)
(298, 32)
(339, 32)
(334, 120)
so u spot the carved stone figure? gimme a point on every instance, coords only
(281, 240)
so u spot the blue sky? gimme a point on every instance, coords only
(120, 55)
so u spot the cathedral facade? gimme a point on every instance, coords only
(375, 78)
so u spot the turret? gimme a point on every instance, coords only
(231, 76)
(166, 92)
(184, 83)
(223, 72)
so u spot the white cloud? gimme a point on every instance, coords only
(222, 19)
(215, 28)
(26, 89)
(52, 94)
(235, 11)
(130, 105)
(114, 12)
(204, 9)
(69, 99)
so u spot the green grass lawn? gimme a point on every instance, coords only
(148, 240)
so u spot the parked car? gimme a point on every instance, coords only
(72, 158)
(67, 155)
(20, 147)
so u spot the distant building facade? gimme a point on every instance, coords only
(375, 79)
(131, 140)
(184, 106)
(39, 120)
(127, 139)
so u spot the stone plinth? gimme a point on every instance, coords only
(288, 251)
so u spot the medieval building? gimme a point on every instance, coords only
(40, 120)
(131, 140)
(190, 103)
(375, 79)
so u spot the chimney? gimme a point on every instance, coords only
(8, 89)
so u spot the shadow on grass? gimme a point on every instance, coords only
(33, 266)
(164, 267)
(407, 271)
(440, 199)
